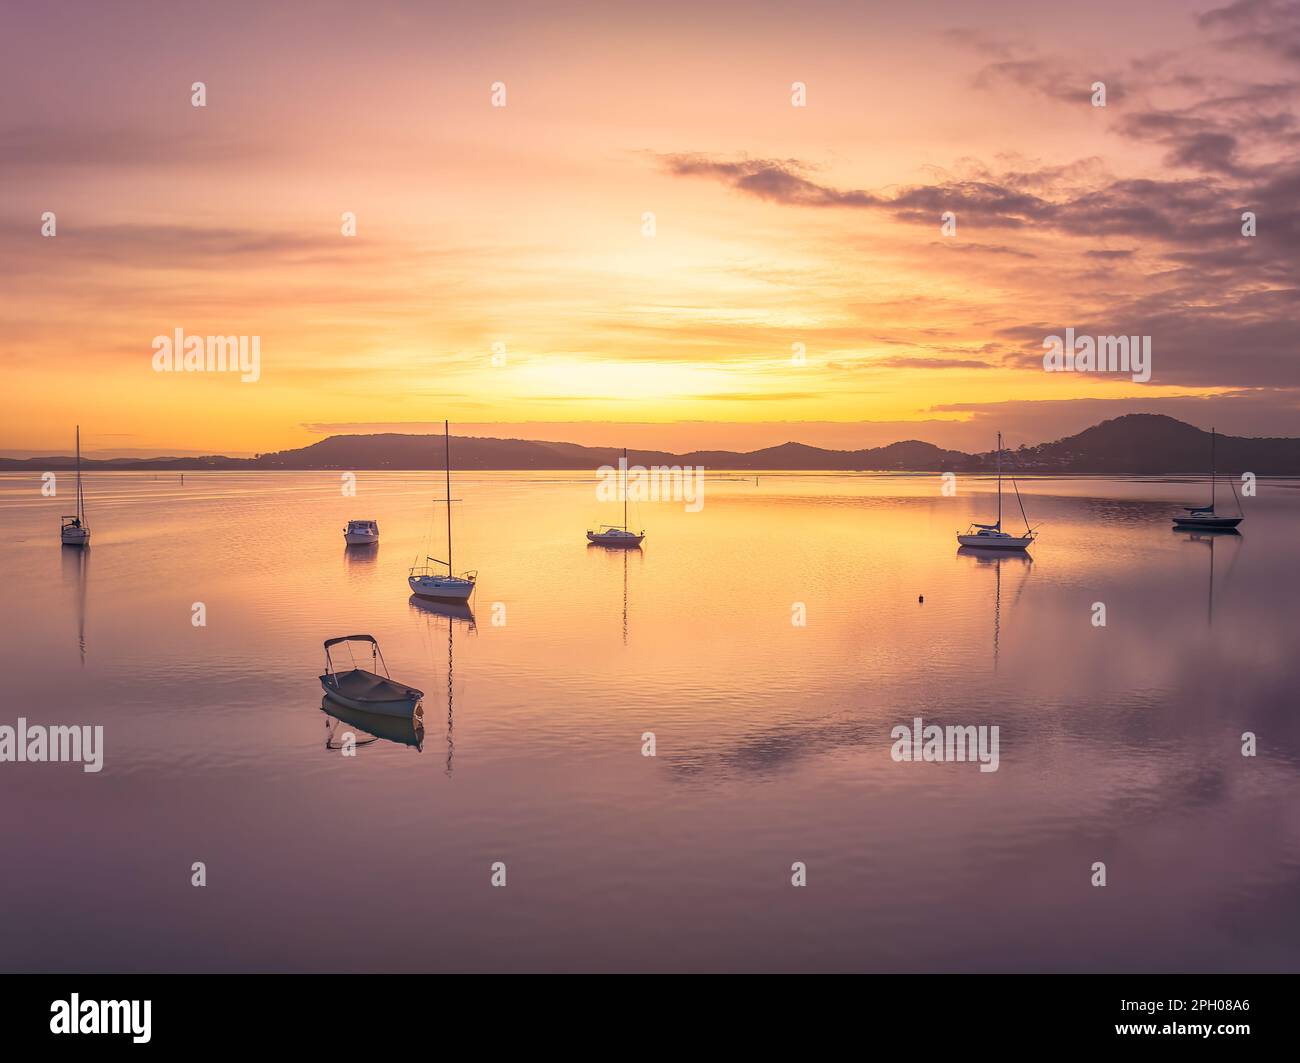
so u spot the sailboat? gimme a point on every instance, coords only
(991, 536)
(75, 531)
(1204, 516)
(425, 580)
(613, 534)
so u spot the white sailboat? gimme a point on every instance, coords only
(1204, 516)
(991, 536)
(430, 582)
(75, 531)
(613, 534)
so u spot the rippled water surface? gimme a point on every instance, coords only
(1120, 744)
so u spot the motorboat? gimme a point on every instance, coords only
(361, 533)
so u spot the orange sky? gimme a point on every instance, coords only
(522, 225)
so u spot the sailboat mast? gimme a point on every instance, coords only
(625, 488)
(999, 481)
(80, 505)
(1213, 478)
(446, 449)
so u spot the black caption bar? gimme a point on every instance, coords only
(147, 1012)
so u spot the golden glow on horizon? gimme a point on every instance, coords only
(524, 226)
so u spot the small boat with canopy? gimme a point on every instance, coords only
(364, 689)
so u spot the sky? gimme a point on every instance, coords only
(796, 282)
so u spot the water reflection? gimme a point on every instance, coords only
(621, 555)
(360, 554)
(76, 569)
(454, 613)
(773, 739)
(995, 559)
(1125, 512)
(1207, 537)
(340, 721)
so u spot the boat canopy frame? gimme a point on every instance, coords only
(376, 655)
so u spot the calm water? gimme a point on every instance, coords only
(1119, 744)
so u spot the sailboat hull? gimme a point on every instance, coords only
(75, 536)
(441, 588)
(1213, 523)
(998, 541)
(626, 540)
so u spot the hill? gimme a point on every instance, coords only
(1135, 444)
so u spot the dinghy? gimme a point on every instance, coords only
(1204, 517)
(361, 532)
(991, 536)
(365, 689)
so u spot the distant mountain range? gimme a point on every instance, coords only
(1136, 444)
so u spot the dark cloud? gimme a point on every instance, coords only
(1222, 308)
(785, 181)
(776, 180)
(902, 362)
(1047, 78)
(1244, 341)
(1178, 211)
(962, 248)
(1270, 26)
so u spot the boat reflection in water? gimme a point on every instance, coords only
(995, 559)
(454, 613)
(76, 571)
(1207, 537)
(360, 555)
(341, 720)
(623, 554)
